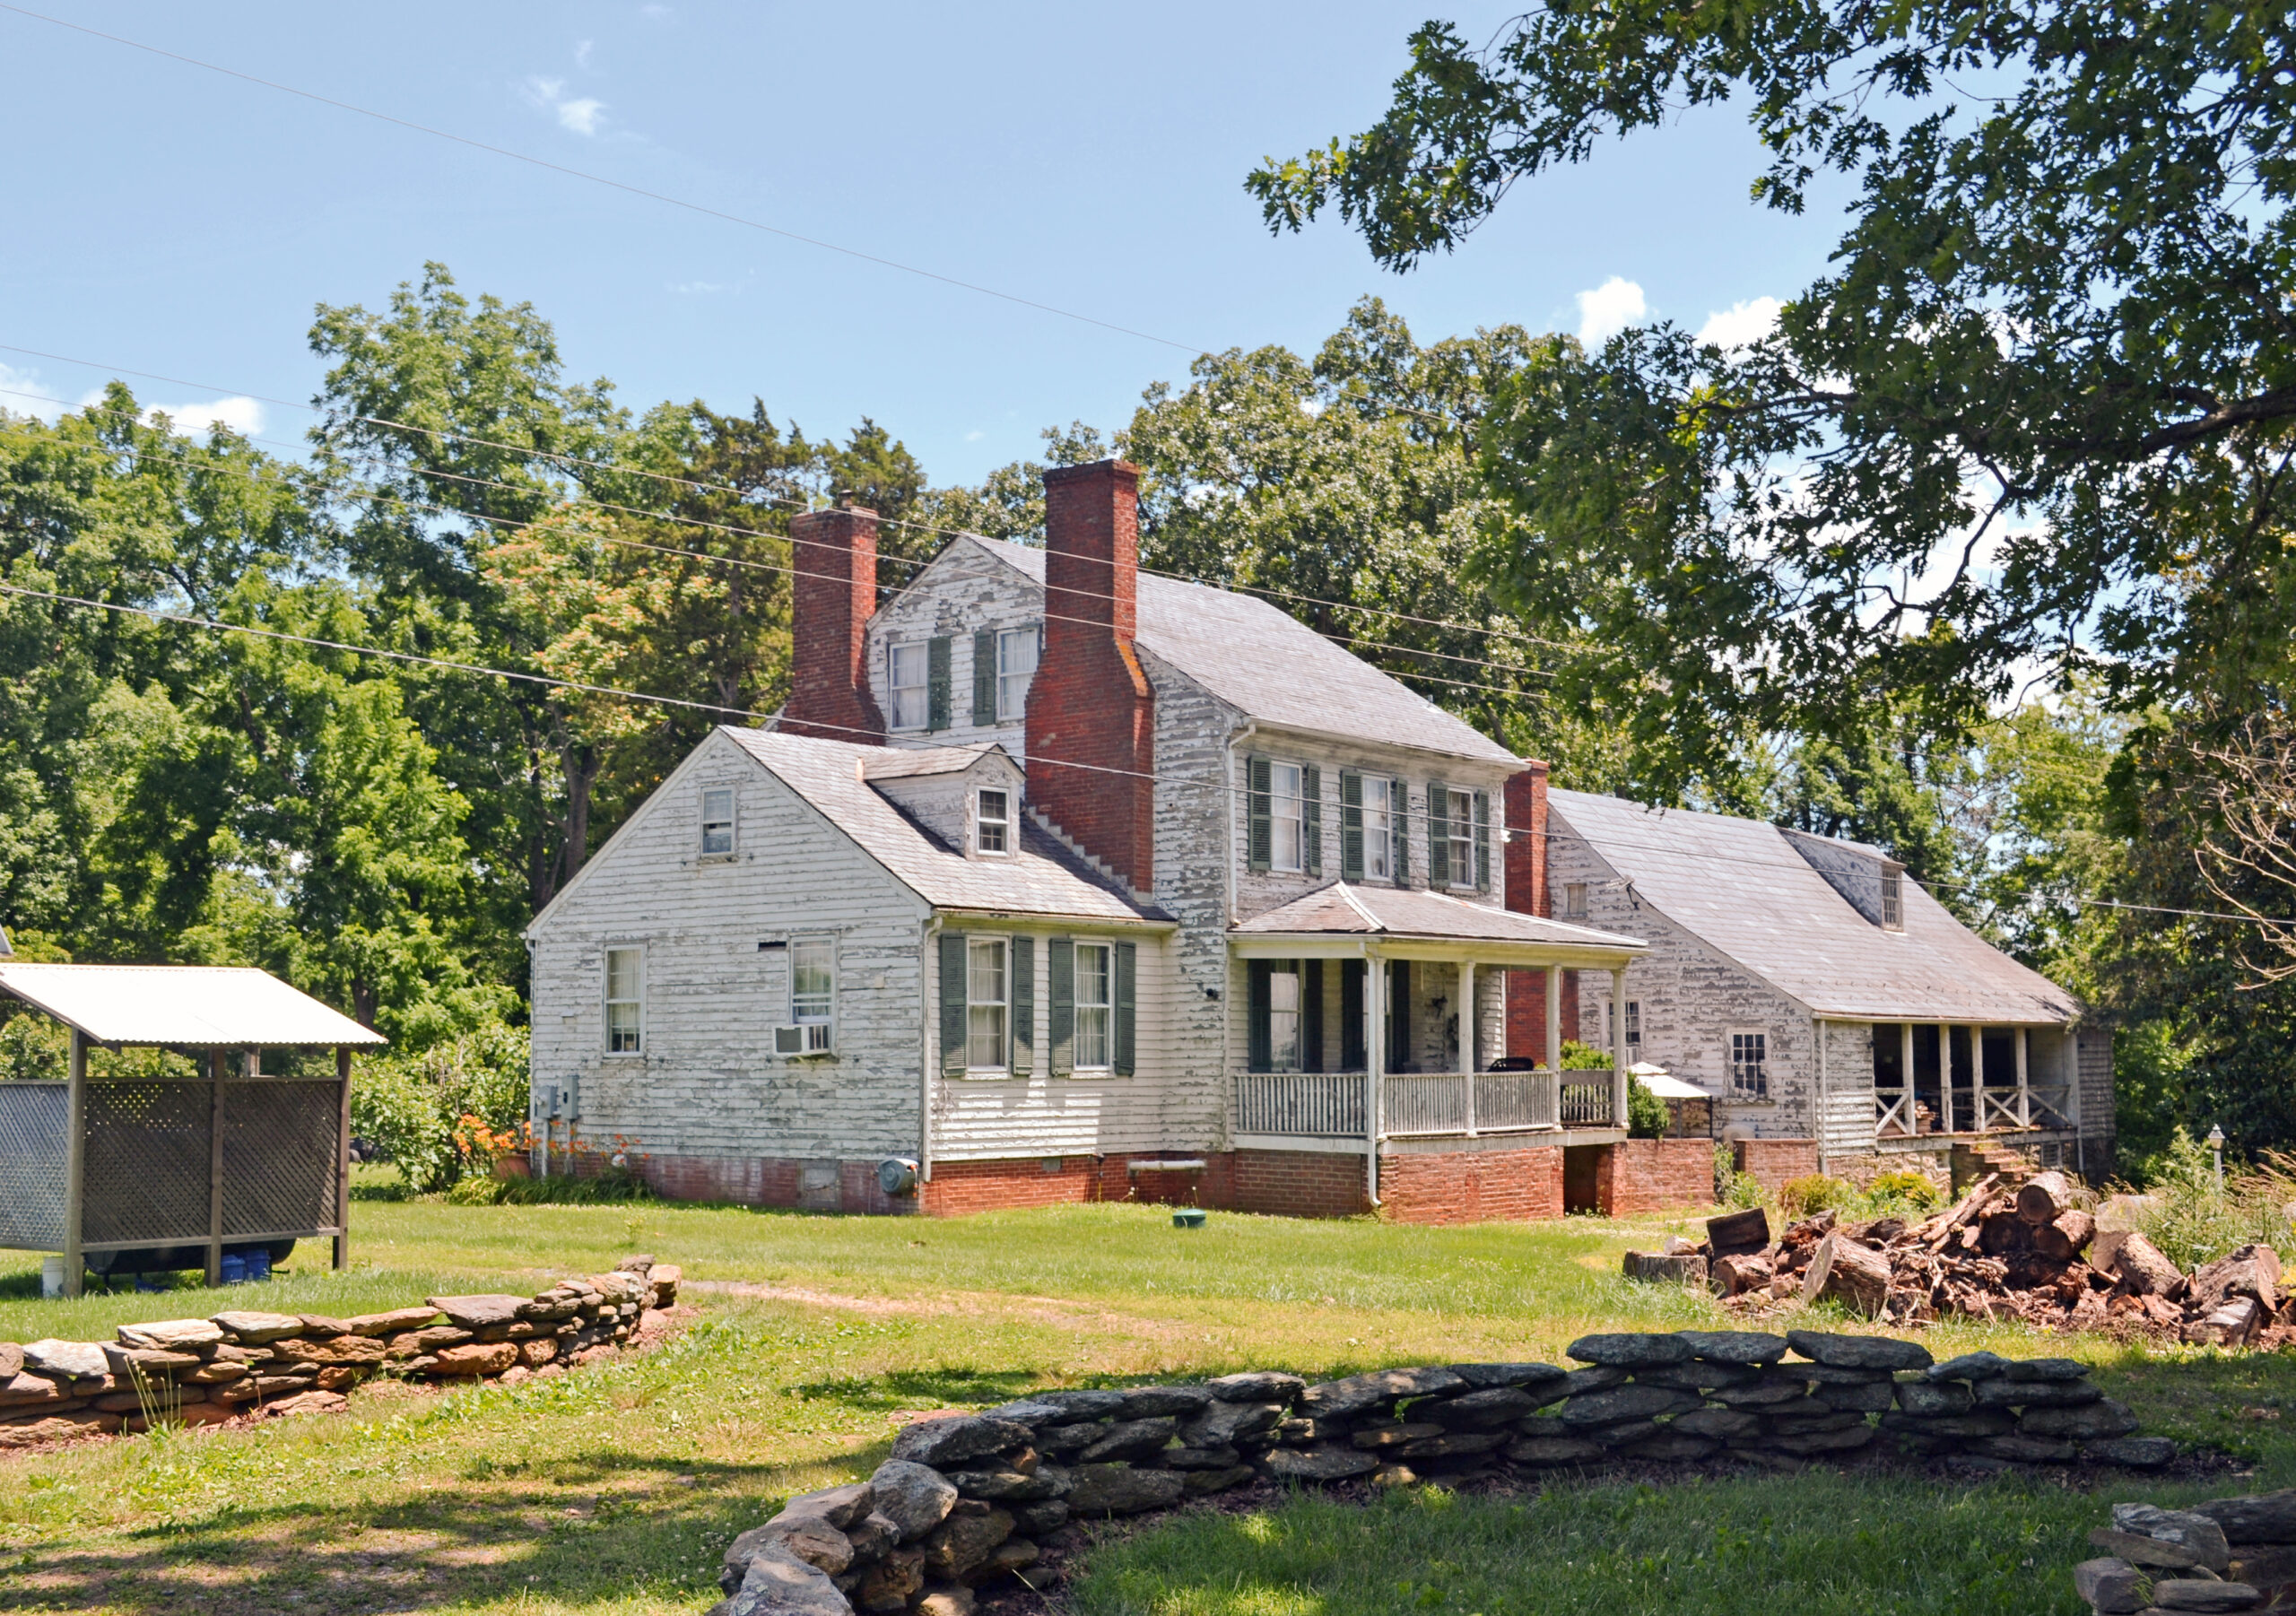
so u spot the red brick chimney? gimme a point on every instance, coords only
(1527, 894)
(1090, 703)
(835, 555)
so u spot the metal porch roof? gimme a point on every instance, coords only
(182, 1006)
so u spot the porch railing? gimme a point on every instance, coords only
(1332, 1104)
(1586, 1103)
(1314, 1104)
(1898, 1115)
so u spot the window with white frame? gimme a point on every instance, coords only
(1634, 1024)
(1458, 829)
(625, 1001)
(1016, 663)
(1379, 817)
(1749, 1065)
(985, 987)
(1893, 901)
(1574, 901)
(1095, 1004)
(1286, 846)
(908, 672)
(718, 821)
(1283, 1017)
(993, 826)
(812, 982)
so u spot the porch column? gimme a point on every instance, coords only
(1554, 1052)
(1375, 1067)
(216, 1060)
(2024, 1087)
(1467, 1034)
(1618, 1048)
(1905, 1071)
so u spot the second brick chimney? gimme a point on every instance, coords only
(1091, 714)
(834, 553)
(1527, 894)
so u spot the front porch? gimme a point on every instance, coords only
(1940, 1081)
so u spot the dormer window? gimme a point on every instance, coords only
(1893, 901)
(994, 826)
(717, 822)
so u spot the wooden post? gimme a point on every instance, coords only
(1818, 1025)
(75, 1163)
(2024, 1086)
(1905, 1076)
(1467, 1030)
(1554, 1021)
(1618, 1048)
(1375, 1066)
(343, 1157)
(216, 1062)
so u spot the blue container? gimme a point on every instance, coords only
(259, 1263)
(234, 1269)
(1188, 1217)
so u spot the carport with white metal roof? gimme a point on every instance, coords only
(109, 1172)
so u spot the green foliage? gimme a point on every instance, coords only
(1732, 1188)
(1812, 1193)
(409, 1105)
(1646, 1115)
(34, 1049)
(2194, 1220)
(608, 1186)
(1916, 1191)
(1584, 1057)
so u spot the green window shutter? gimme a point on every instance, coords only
(1439, 835)
(1262, 831)
(1399, 1016)
(1351, 1015)
(1399, 831)
(984, 677)
(1482, 842)
(1312, 819)
(936, 682)
(1127, 966)
(1351, 825)
(1024, 1003)
(952, 1003)
(1261, 1057)
(1060, 967)
(1312, 1015)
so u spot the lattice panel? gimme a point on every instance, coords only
(32, 1122)
(147, 1162)
(279, 1157)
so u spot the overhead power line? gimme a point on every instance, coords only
(600, 179)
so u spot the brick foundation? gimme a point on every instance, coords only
(1770, 1162)
(1654, 1175)
(807, 1186)
(1472, 1186)
(1292, 1184)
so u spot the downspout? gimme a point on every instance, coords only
(1227, 919)
(1818, 1025)
(928, 1004)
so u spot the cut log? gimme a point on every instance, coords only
(2045, 1197)
(1943, 1226)
(1849, 1272)
(2104, 1251)
(2250, 1271)
(2143, 1270)
(1740, 1272)
(1680, 1270)
(1734, 1233)
(2061, 1241)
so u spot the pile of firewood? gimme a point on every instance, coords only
(2009, 1251)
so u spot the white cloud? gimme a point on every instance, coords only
(655, 13)
(22, 392)
(975, 436)
(583, 117)
(1609, 309)
(1740, 323)
(582, 53)
(241, 415)
(697, 288)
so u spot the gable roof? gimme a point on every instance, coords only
(1040, 877)
(1739, 885)
(1345, 909)
(1273, 668)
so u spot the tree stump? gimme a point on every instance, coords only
(1735, 1233)
(2044, 1198)
(2064, 1239)
(1849, 1273)
(1688, 1269)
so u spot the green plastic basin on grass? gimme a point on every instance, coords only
(1188, 1217)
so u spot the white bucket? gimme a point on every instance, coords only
(51, 1276)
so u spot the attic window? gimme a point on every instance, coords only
(718, 821)
(1574, 901)
(1893, 901)
(994, 832)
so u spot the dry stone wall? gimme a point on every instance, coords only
(247, 1363)
(2226, 1555)
(967, 1500)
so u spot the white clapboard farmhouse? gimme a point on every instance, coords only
(1055, 882)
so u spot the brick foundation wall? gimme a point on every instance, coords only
(807, 1186)
(1090, 703)
(1292, 1184)
(1770, 1162)
(834, 596)
(1654, 1175)
(1472, 1186)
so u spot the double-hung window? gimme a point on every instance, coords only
(1095, 1002)
(1283, 1018)
(1286, 845)
(910, 674)
(1458, 829)
(993, 823)
(1633, 1024)
(985, 1000)
(1893, 901)
(1016, 664)
(1379, 819)
(1749, 1065)
(717, 822)
(1574, 901)
(625, 1001)
(813, 993)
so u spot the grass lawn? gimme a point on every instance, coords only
(616, 1490)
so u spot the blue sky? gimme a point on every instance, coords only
(165, 219)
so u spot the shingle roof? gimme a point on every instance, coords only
(1274, 669)
(1404, 912)
(913, 762)
(1740, 885)
(1041, 877)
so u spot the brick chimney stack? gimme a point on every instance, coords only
(1090, 703)
(1527, 893)
(835, 555)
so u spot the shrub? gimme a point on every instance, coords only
(439, 1113)
(1584, 1057)
(609, 1184)
(34, 1049)
(1902, 1190)
(1732, 1188)
(1646, 1114)
(2194, 1220)
(1812, 1193)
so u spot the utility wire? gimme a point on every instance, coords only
(600, 179)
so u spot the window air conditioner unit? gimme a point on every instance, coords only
(808, 1037)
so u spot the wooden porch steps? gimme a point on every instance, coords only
(1985, 1154)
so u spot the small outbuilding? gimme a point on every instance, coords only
(148, 1173)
